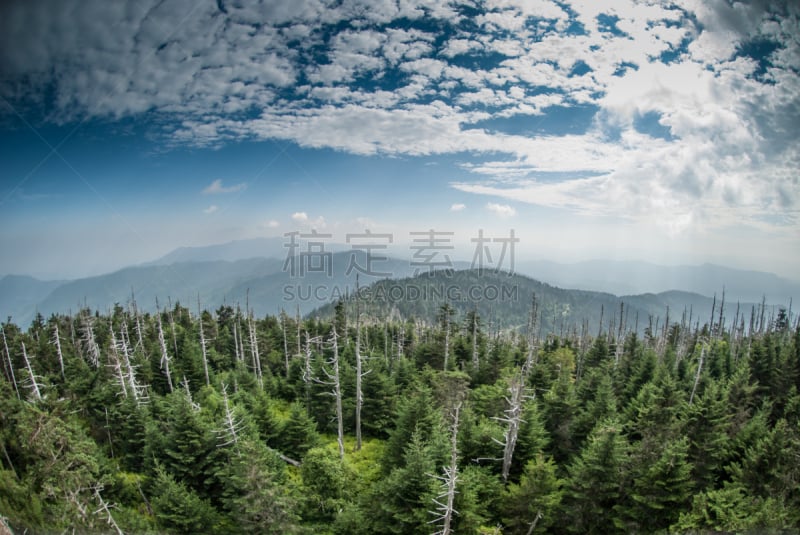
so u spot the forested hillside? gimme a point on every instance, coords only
(223, 422)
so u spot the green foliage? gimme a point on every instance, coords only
(535, 500)
(595, 483)
(608, 440)
(179, 509)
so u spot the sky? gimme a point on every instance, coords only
(625, 130)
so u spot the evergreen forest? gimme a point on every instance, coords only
(218, 421)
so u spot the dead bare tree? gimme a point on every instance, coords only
(57, 343)
(285, 341)
(513, 420)
(359, 370)
(34, 386)
(165, 358)
(331, 371)
(231, 425)
(475, 356)
(703, 345)
(116, 364)
(89, 341)
(251, 327)
(202, 340)
(10, 363)
(449, 480)
(185, 384)
(106, 509)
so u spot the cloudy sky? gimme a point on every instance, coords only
(658, 131)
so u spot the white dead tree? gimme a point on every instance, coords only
(331, 371)
(202, 341)
(231, 425)
(359, 371)
(105, 509)
(446, 311)
(185, 385)
(513, 420)
(137, 323)
(139, 392)
(285, 341)
(10, 363)
(254, 349)
(444, 501)
(703, 345)
(165, 358)
(57, 343)
(475, 356)
(34, 386)
(115, 363)
(530, 357)
(89, 341)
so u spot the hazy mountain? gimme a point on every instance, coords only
(226, 273)
(19, 295)
(270, 288)
(628, 278)
(616, 277)
(235, 250)
(504, 300)
(182, 281)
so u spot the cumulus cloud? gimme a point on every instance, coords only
(211, 209)
(502, 210)
(457, 207)
(216, 187)
(302, 219)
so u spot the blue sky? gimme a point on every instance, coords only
(661, 131)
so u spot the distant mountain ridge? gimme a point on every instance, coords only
(504, 300)
(233, 271)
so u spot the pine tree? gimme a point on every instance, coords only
(661, 489)
(531, 506)
(179, 509)
(595, 483)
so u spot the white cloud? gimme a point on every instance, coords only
(457, 207)
(407, 92)
(302, 219)
(211, 209)
(216, 187)
(502, 210)
(273, 224)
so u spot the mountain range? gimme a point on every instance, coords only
(253, 271)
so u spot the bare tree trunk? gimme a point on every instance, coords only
(285, 341)
(231, 425)
(165, 358)
(34, 386)
(359, 374)
(254, 350)
(697, 375)
(10, 363)
(57, 343)
(337, 392)
(446, 336)
(475, 357)
(202, 341)
(449, 480)
(106, 509)
(116, 364)
(514, 420)
(89, 341)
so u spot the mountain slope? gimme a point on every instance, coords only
(504, 300)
